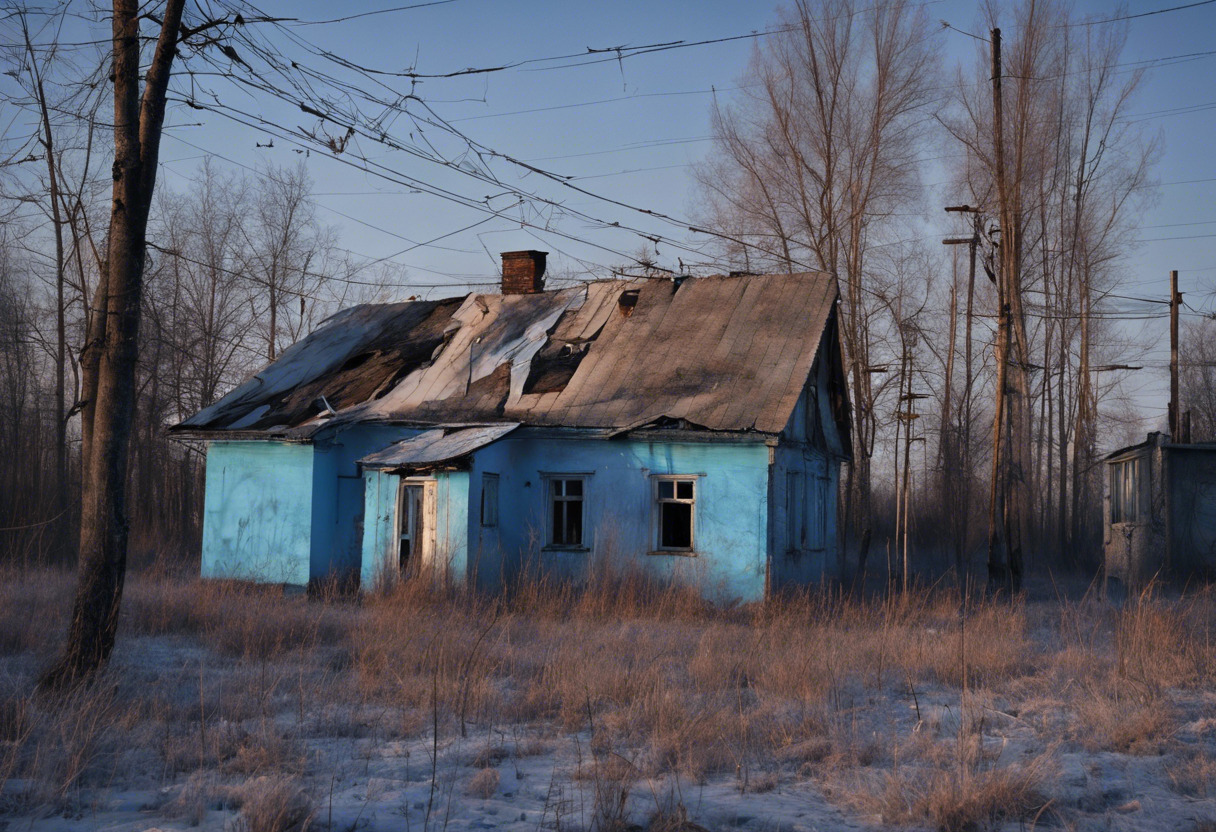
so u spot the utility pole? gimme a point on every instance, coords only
(999, 566)
(910, 415)
(1175, 410)
(900, 421)
(962, 439)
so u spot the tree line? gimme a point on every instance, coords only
(980, 381)
(238, 266)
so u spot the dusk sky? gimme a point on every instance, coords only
(631, 130)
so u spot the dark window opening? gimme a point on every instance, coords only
(676, 499)
(566, 496)
(1125, 480)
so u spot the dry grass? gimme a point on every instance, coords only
(1194, 775)
(954, 802)
(484, 783)
(273, 804)
(858, 695)
(1124, 725)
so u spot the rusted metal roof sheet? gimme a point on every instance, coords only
(435, 446)
(722, 353)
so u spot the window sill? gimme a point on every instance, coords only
(682, 553)
(559, 548)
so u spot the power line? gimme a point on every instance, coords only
(1141, 14)
(1178, 182)
(414, 243)
(646, 145)
(577, 104)
(1162, 239)
(374, 12)
(353, 125)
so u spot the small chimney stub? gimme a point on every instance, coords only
(523, 272)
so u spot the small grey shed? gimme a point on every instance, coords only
(1160, 512)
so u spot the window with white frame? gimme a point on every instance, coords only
(566, 501)
(1125, 478)
(675, 513)
(489, 499)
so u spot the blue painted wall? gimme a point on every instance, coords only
(452, 525)
(338, 500)
(257, 520)
(450, 535)
(379, 545)
(731, 518)
(288, 513)
(804, 548)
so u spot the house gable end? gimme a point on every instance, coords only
(820, 416)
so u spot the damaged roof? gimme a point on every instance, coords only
(721, 353)
(436, 446)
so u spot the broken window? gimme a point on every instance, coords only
(566, 511)
(1125, 490)
(489, 499)
(675, 504)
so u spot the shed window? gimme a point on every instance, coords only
(489, 499)
(676, 507)
(566, 511)
(1125, 478)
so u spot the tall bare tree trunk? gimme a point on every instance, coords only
(47, 140)
(1081, 439)
(103, 527)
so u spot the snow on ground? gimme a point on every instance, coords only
(358, 777)
(290, 739)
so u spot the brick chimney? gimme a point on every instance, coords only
(523, 272)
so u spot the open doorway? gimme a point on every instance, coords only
(415, 526)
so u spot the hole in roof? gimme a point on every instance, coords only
(356, 361)
(626, 302)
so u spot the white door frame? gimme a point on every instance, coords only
(423, 549)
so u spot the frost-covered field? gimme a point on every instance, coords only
(619, 706)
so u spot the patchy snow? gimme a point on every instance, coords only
(359, 774)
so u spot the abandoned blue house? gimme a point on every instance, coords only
(691, 429)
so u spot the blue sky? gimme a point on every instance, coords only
(630, 130)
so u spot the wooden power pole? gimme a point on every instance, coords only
(1175, 413)
(961, 439)
(998, 519)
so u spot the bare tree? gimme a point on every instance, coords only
(814, 165)
(138, 120)
(1197, 376)
(287, 250)
(19, 422)
(60, 102)
(1056, 165)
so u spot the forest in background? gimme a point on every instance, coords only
(817, 163)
